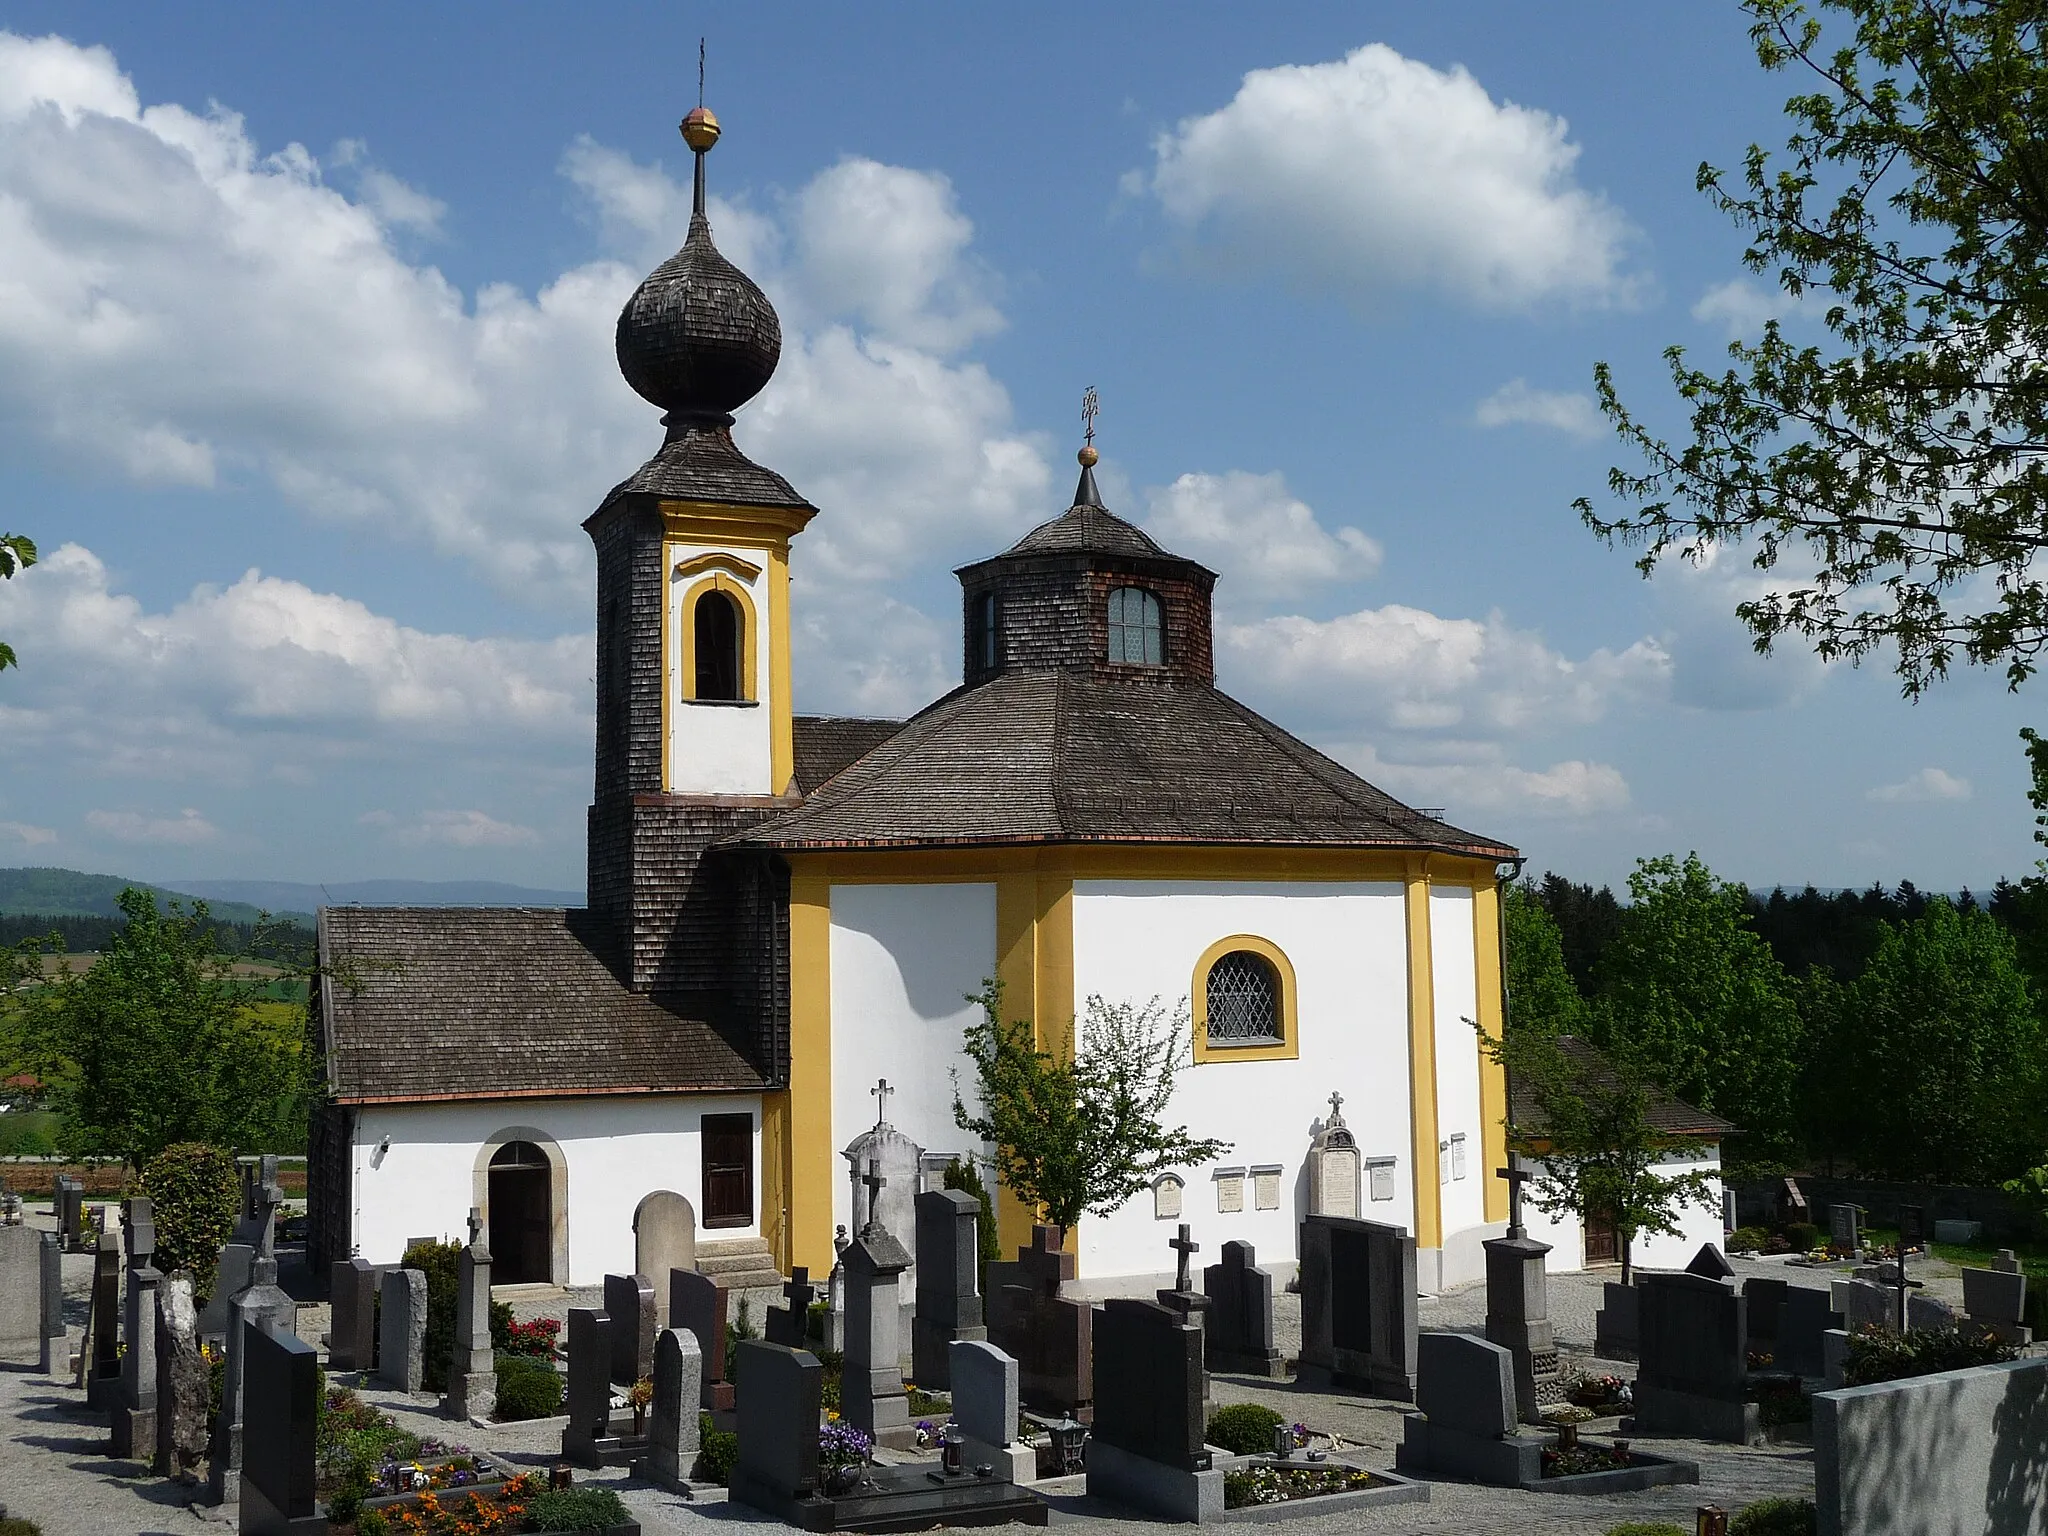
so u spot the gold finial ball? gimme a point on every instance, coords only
(1089, 457)
(700, 129)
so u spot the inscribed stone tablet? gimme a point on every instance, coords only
(1383, 1178)
(1230, 1191)
(1266, 1189)
(1340, 1182)
(1166, 1199)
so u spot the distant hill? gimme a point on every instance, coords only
(70, 893)
(284, 895)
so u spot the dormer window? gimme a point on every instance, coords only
(987, 647)
(1136, 628)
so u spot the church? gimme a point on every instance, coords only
(787, 913)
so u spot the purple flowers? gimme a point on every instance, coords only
(840, 1444)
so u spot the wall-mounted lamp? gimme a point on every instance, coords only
(377, 1157)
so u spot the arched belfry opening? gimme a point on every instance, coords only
(521, 1214)
(717, 636)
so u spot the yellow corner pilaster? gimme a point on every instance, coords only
(1429, 1224)
(1493, 1077)
(775, 1169)
(1017, 970)
(809, 1142)
(781, 700)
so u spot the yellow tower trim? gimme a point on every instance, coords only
(1429, 1221)
(1493, 1077)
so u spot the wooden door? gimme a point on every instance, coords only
(522, 1216)
(1603, 1244)
(728, 1170)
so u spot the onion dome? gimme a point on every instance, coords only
(698, 338)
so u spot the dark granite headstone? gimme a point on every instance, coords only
(778, 1425)
(789, 1324)
(589, 1398)
(1466, 1384)
(1766, 1299)
(1803, 1319)
(103, 1365)
(51, 1257)
(231, 1276)
(1616, 1328)
(1710, 1264)
(948, 1304)
(281, 1404)
(70, 1203)
(695, 1302)
(1148, 1384)
(629, 1303)
(1693, 1360)
(1845, 1227)
(1049, 1335)
(1238, 1334)
(1518, 1317)
(1358, 1313)
(352, 1333)
(135, 1412)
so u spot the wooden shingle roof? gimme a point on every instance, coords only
(1066, 756)
(424, 1003)
(1664, 1113)
(702, 463)
(827, 745)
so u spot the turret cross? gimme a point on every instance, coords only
(1089, 406)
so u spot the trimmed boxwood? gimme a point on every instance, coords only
(1243, 1428)
(1878, 1354)
(442, 1265)
(1648, 1528)
(718, 1451)
(575, 1509)
(527, 1388)
(195, 1195)
(1776, 1517)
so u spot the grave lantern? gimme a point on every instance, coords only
(1069, 1435)
(1712, 1520)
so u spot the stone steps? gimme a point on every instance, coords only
(739, 1264)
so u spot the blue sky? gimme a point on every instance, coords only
(305, 387)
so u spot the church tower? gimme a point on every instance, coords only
(694, 722)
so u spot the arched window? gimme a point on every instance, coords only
(717, 647)
(1243, 996)
(987, 649)
(1136, 632)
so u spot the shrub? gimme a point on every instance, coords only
(1748, 1240)
(527, 1388)
(1243, 1428)
(1878, 1354)
(575, 1509)
(1649, 1528)
(717, 1452)
(196, 1195)
(442, 1264)
(20, 1528)
(371, 1522)
(1803, 1236)
(1775, 1517)
(961, 1174)
(535, 1339)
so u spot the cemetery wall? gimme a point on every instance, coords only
(1966, 1445)
(1347, 943)
(903, 958)
(1461, 1170)
(2004, 1218)
(617, 1150)
(1697, 1225)
(722, 749)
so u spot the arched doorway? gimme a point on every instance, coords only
(521, 1214)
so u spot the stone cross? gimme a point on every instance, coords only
(800, 1291)
(1336, 1108)
(1516, 1178)
(875, 1183)
(880, 1094)
(476, 1225)
(1184, 1246)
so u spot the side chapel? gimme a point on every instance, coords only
(787, 911)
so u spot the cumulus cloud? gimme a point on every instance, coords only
(1377, 172)
(1492, 786)
(28, 836)
(1250, 526)
(454, 829)
(1516, 404)
(1927, 786)
(183, 830)
(1741, 307)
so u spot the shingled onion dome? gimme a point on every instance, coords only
(698, 338)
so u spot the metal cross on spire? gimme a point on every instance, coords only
(700, 71)
(1089, 406)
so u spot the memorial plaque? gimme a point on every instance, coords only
(1266, 1189)
(1166, 1199)
(1230, 1191)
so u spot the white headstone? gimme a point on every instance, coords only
(1333, 1166)
(664, 1234)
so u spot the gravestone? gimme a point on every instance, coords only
(1238, 1335)
(1766, 1298)
(135, 1413)
(1334, 1166)
(1845, 1228)
(664, 1234)
(1923, 1311)
(1145, 1446)
(789, 1324)
(1710, 1264)
(402, 1329)
(1616, 1326)
(900, 1163)
(1048, 1334)
(352, 1336)
(1182, 1299)
(1692, 1360)
(472, 1368)
(1995, 1301)
(1465, 1389)
(672, 1416)
(948, 1304)
(696, 1303)
(262, 1304)
(182, 1378)
(21, 1295)
(253, 1243)
(1358, 1311)
(1957, 1230)
(1792, 1206)
(1834, 1346)
(2006, 1261)
(588, 1402)
(51, 1256)
(70, 1207)
(231, 1276)
(1804, 1317)
(1518, 1306)
(777, 1463)
(1865, 1304)
(103, 1364)
(281, 1397)
(985, 1407)
(629, 1303)
(872, 1396)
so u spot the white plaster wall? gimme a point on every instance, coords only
(904, 959)
(721, 749)
(1134, 940)
(1455, 985)
(1698, 1224)
(618, 1150)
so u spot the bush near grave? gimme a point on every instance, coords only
(1776, 1517)
(527, 1388)
(717, 1452)
(194, 1193)
(1245, 1429)
(576, 1509)
(441, 1263)
(1879, 1354)
(1648, 1528)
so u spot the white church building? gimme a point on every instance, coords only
(784, 909)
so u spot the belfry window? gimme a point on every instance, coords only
(717, 636)
(1136, 632)
(987, 647)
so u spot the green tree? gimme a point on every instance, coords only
(1903, 463)
(159, 1041)
(1943, 1056)
(1081, 1136)
(194, 1194)
(16, 553)
(1689, 990)
(1541, 995)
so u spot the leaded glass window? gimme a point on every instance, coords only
(1136, 633)
(1244, 1000)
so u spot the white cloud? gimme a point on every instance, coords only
(1926, 786)
(455, 829)
(1515, 403)
(1740, 307)
(183, 830)
(1494, 787)
(21, 831)
(1378, 172)
(1253, 531)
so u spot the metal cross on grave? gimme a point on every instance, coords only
(799, 1291)
(1516, 1178)
(1185, 1246)
(880, 1094)
(875, 1185)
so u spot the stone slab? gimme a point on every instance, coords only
(1153, 1488)
(1466, 1384)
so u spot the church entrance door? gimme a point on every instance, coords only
(522, 1222)
(1603, 1243)
(728, 1170)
